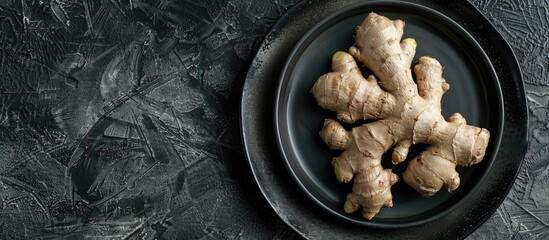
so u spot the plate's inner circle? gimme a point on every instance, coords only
(473, 93)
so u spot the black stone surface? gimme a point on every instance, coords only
(119, 119)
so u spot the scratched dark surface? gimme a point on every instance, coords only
(119, 119)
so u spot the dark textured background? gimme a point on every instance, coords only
(119, 119)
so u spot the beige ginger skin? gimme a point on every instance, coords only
(404, 113)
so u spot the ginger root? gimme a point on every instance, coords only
(405, 113)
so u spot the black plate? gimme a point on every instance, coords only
(292, 204)
(475, 93)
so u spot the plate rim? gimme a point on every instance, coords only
(500, 50)
(284, 80)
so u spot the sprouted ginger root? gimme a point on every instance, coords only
(405, 113)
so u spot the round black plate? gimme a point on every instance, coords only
(475, 93)
(297, 208)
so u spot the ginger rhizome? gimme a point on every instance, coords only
(399, 112)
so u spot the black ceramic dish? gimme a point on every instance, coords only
(461, 212)
(475, 93)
